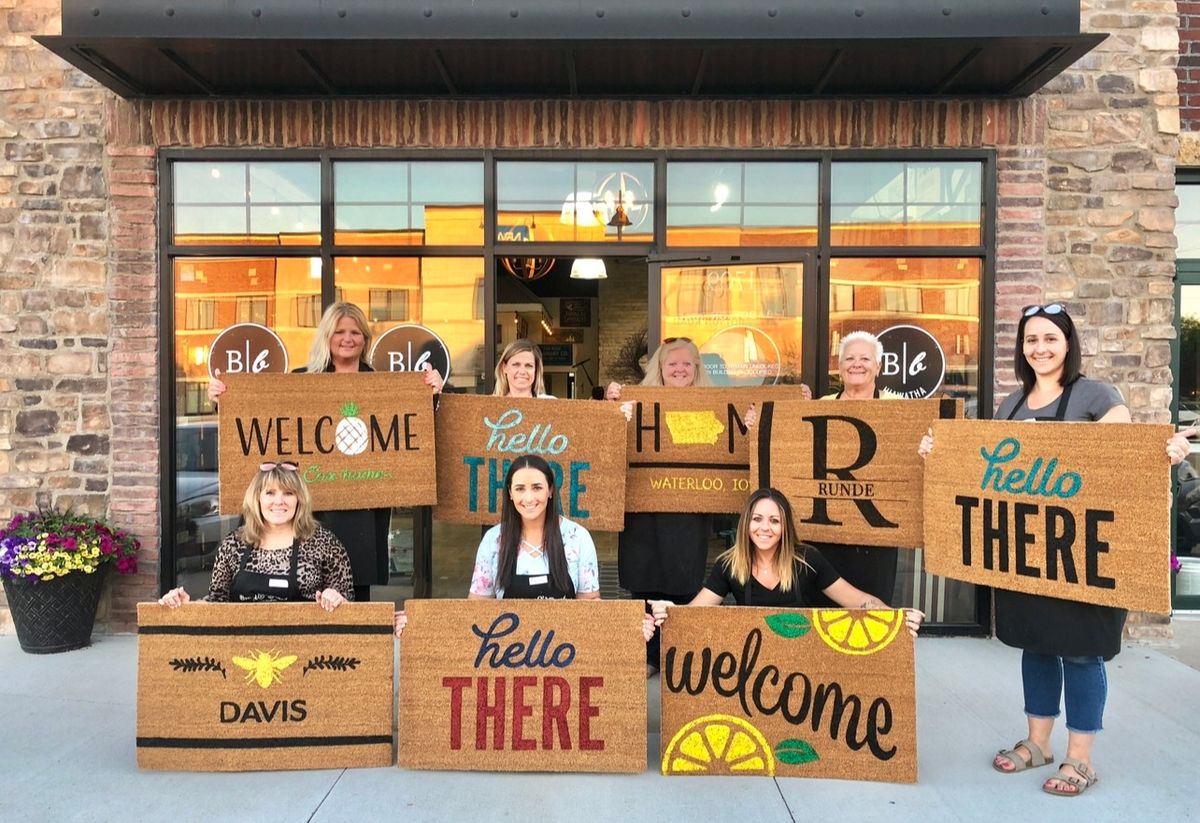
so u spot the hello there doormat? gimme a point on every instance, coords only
(1069, 510)
(582, 440)
(360, 441)
(249, 687)
(849, 467)
(523, 685)
(788, 693)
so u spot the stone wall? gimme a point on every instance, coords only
(1085, 214)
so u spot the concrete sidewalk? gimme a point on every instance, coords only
(68, 754)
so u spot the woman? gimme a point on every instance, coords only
(767, 566)
(519, 371)
(340, 346)
(280, 553)
(860, 356)
(1064, 643)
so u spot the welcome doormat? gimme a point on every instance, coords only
(251, 687)
(1069, 510)
(582, 440)
(361, 441)
(688, 449)
(523, 685)
(849, 467)
(788, 693)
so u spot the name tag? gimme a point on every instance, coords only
(540, 580)
(278, 583)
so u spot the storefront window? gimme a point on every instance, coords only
(259, 204)
(408, 204)
(574, 202)
(920, 203)
(741, 204)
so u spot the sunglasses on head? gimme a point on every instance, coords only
(676, 339)
(286, 465)
(1049, 308)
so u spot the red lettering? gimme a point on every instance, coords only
(554, 713)
(456, 686)
(521, 710)
(484, 710)
(586, 712)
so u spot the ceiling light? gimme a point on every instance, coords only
(588, 268)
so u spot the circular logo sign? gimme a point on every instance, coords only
(741, 356)
(247, 348)
(409, 348)
(914, 365)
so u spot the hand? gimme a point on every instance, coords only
(926, 447)
(805, 391)
(648, 626)
(399, 621)
(174, 598)
(658, 608)
(750, 417)
(912, 620)
(1178, 447)
(613, 392)
(627, 410)
(433, 379)
(330, 599)
(216, 386)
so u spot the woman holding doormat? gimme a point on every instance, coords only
(1064, 643)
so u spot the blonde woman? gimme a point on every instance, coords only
(280, 553)
(519, 371)
(340, 346)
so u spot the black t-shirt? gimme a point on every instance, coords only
(807, 581)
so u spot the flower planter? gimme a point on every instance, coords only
(55, 615)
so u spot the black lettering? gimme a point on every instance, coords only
(1060, 536)
(1023, 537)
(867, 445)
(1094, 547)
(733, 421)
(381, 440)
(230, 712)
(967, 504)
(409, 434)
(283, 445)
(251, 713)
(639, 427)
(879, 722)
(821, 699)
(299, 711)
(261, 438)
(685, 682)
(995, 534)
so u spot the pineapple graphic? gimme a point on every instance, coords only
(352, 435)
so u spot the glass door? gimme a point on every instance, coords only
(1185, 547)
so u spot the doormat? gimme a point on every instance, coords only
(361, 441)
(253, 687)
(849, 467)
(582, 440)
(788, 693)
(523, 685)
(1069, 510)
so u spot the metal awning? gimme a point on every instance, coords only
(555, 48)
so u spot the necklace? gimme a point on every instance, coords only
(532, 549)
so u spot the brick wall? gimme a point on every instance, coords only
(1189, 64)
(1085, 214)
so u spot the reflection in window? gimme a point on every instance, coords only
(402, 203)
(308, 310)
(200, 314)
(252, 310)
(568, 201)
(389, 304)
(892, 203)
(906, 300)
(271, 203)
(741, 204)
(1187, 220)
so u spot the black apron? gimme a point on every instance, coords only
(259, 587)
(1059, 416)
(537, 587)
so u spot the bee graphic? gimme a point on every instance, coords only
(264, 667)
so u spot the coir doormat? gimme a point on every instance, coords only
(688, 449)
(523, 685)
(788, 693)
(582, 440)
(360, 440)
(1070, 510)
(251, 687)
(850, 467)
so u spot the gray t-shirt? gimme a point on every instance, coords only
(1090, 400)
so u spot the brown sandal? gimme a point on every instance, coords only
(1020, 764)
(1086, 779)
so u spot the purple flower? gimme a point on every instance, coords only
(1175, 564)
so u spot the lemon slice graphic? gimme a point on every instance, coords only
(858, 632)
(718, 744)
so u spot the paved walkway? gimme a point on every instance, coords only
(67, 754)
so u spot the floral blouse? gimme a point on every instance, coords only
(577, 545)
(321, 563)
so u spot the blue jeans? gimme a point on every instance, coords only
(1086, 688)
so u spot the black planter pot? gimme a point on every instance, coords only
(55, 615)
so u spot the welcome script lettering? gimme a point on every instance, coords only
(768, 690)
(505, 704)
(1015, 534)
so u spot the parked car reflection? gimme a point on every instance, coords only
(199, 526)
